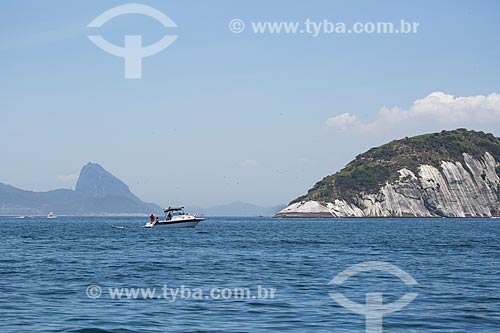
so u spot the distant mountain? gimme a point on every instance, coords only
(98, 182)
(97, 192)
(237, 208)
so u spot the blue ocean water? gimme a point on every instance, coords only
(47, 266)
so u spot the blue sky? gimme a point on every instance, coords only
(218, 116)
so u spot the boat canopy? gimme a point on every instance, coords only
(173, 209)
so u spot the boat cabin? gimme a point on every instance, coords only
(173, 211)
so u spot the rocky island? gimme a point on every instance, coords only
(447, 174)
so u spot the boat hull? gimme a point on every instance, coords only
(175, 224)
(180, 224)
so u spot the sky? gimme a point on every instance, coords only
(220, 116)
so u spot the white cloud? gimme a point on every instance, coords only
(342, 121)
(432, 113)
(67, 178)
(249, 164)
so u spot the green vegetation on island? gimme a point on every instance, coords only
(369, 171)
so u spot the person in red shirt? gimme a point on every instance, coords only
(152, 218)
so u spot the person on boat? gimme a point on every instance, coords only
(157, 219)
(169, 216)
(152, 218)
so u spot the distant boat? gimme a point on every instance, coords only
(119, 226)
(23, 217)
(51, 216)
(176, 218)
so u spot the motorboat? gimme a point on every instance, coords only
(51, 216)
(176, 218)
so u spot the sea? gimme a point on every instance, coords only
(79, 274)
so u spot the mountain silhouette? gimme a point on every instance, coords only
(97, 192)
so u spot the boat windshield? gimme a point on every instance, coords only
(173, 212)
